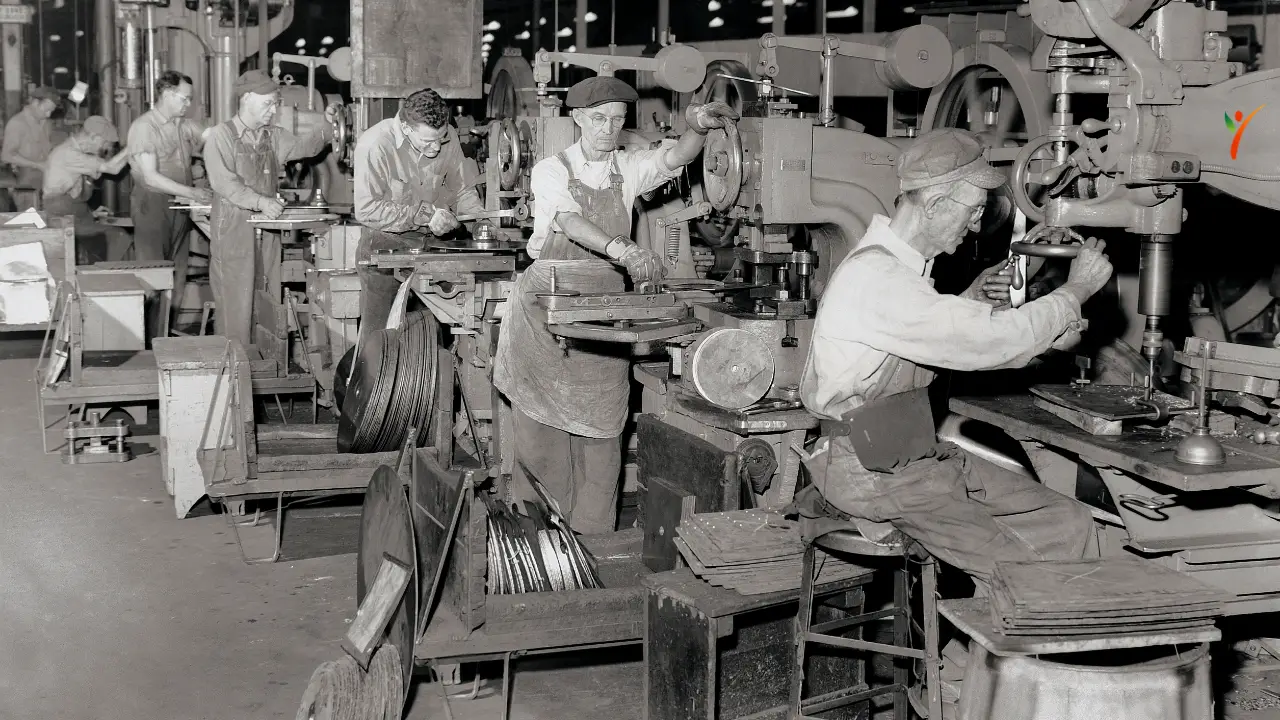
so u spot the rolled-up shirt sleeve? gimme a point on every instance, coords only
(373, 207)
(16, 135)
(290, 147)
(220, 166)
(901, 314)
(646, 169)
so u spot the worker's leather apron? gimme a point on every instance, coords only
(236, 267)
(582, 388)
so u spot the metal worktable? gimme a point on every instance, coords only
(1145, 453)
(1205, 523)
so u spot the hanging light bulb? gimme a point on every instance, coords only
(848, 12)
(565, 32)
(716, 22)
(713, 6)
(327, 40)
(493, 25)
(523, 35)
(488, 37)
(590, 16)
(302, 42)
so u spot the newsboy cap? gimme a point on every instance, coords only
(257, 82)
(102, 127)
(599, 90)
(943, 156)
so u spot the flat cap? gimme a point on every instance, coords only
(599, 90)
(943, 156)
(102, 127)
(44, 93)
(257, 82)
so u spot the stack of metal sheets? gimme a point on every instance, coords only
(1115, 596)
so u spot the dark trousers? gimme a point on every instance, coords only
(161, 234)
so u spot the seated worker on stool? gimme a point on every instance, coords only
(162, 143)
(881, 328)
(570, 405)
(408, 176)
(243, 157)
(68, 182)
(28, 139)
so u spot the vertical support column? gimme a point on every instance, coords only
(264, 35)
(779, 17)
(104, 66)
(664, 18)
(821, 23)
(12, 56)
(868, 16)
(536, 28)
(580, 25)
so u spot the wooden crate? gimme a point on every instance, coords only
(59, 242)
(113, 312)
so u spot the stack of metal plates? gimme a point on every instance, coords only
(535, 552)
(392, 387)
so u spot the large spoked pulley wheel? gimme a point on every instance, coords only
(727, 81)
(386, 528)
(511, 89)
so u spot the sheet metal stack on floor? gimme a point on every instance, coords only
(752, 551)
(1115, 596)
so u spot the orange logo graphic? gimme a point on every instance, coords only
(1237, 126)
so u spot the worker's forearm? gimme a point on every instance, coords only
(469, 202)
(19, 161)
(117, 163)
(584, 232)
(159, 183)
(384, 215)
(685, 150)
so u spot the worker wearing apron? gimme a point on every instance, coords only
(243, 158)
(68, 183)
(570, 404)
(410, 174)
(881, 328)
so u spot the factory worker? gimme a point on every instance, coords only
(408, 176)
(28, 138)
(882, 329)
(68, 182)
(570, 403)
(243, 158)
(162, 143)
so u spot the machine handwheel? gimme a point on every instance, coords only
(387, 528)
(722, 166)
(1034, 173)
(511, 152)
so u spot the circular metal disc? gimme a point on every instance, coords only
(497, 245)
(386, 528)
(680, 68)
(722, 166)
(365, 405)
(918, 57)
(341, 373)
(732, 368)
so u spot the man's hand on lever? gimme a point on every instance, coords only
(644, 266)
(709, 116)
(992, 285)
(438, 220)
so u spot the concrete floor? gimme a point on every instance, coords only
(116, 610)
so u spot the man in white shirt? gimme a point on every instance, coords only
(881, 328)
(570, 403)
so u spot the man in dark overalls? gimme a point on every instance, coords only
(243, 158)
(570, 405)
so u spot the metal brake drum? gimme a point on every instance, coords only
(731, 368)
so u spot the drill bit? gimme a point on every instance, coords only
(1151, 379)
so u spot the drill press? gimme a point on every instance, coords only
(1155, 276)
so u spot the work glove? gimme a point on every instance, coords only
(642, 265)
(438, 220)
(708, 116)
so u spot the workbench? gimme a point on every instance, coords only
(1213, 521)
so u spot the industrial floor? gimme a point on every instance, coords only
(116, 610)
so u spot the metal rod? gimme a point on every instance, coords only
(580, 29)
(40, 38)
(148, 77)
(537, 28)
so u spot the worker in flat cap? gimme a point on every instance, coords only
(410, 175)
(28, 138)
(243, 158)
(69, 173)
(881, 333)
(570, 403)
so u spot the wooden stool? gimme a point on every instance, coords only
(846, 545)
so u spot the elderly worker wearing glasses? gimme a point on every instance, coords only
(409, 177)
(880, 334)
(570, 404)
(243, 158)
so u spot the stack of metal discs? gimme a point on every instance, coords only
(392, 387)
